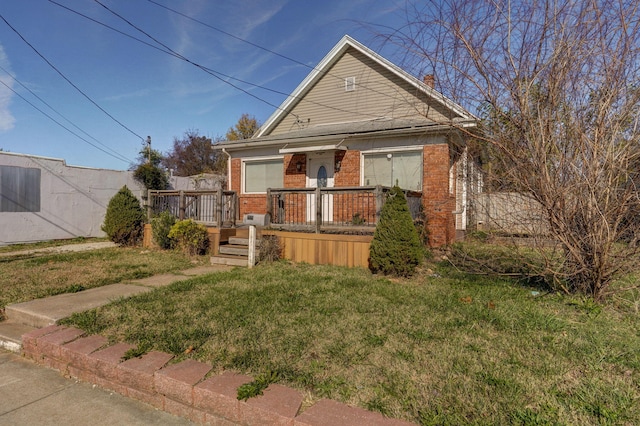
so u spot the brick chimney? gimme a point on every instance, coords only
(429, 80)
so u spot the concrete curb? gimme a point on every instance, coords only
(187, 388)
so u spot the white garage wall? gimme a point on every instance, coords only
(73, 200)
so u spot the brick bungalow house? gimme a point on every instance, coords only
(356, 122)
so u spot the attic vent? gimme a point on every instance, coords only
(349, 84)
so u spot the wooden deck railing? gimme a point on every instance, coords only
(217, 207)
(345, 209)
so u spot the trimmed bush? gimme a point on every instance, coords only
(191, 237)
(161, 226)
(396, 248)
(124, 220)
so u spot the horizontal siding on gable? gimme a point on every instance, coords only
(378, 94)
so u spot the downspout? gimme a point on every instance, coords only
(224, 151)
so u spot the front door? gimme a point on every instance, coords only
(320, 175)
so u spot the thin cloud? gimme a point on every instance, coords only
(7, 120)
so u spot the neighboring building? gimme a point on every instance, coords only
(44, 199)
(357, 120)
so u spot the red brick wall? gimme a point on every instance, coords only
(236, 181)
(349, 174)
(249, 203)
(292, 177)
(438, 202)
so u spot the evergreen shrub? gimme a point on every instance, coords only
(161, 226)
(124, 220)
(191, 237)
(396, 248)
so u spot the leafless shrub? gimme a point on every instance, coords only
(555, 84)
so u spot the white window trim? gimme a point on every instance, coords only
(255, 160)
(387, 151)
(349, 84)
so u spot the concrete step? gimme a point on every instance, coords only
(229, 260)
(234, 250)
(11, 335)
(240, 241)
(44, 312)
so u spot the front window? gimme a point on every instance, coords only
(394, 168)
(262, 174)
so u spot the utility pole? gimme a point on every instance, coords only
(149, 149)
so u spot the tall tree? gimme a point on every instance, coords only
(246, 127)
(556, 86)
(148, 170)
(193, 154)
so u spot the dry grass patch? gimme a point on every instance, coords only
(31, 277)
(452, 349)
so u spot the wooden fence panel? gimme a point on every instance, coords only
(324, 249)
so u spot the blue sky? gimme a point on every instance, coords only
(153, 93)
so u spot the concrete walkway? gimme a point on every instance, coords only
(27, 316)
(68, 248)
(31, 394)
(35, 395)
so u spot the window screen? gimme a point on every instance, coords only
(387, 169)
(19, 189)
(260, 175)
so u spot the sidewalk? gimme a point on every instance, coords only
(69, 248)
(31, 394)
(35, 395)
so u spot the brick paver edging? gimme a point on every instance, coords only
(186, 388)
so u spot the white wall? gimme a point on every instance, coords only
(73, 200)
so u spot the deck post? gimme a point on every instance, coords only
(183, 207)
(270, 205)
(235, 209)
(318, 196)
(379, 201)
(252, 246)
(220, 201)
(149, 206)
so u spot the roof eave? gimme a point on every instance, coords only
(303, 141)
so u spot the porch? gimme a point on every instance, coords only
(336, 210)
(313, 225)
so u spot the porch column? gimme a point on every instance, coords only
(438, 201)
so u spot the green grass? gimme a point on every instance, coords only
(25, 278)
(442, 348)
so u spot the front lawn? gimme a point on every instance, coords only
(442, 348)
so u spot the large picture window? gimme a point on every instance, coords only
(262, 174)
(389, 168)
(19, 189)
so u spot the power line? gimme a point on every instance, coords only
(266, 49)
(231, 35)
(60, 124)
(117, 155)
(214, 73)
(69, 81)
(217, 74)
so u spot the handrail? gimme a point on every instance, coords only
(217, 207)
(357, 207)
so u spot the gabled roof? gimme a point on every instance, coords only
(325, 65)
